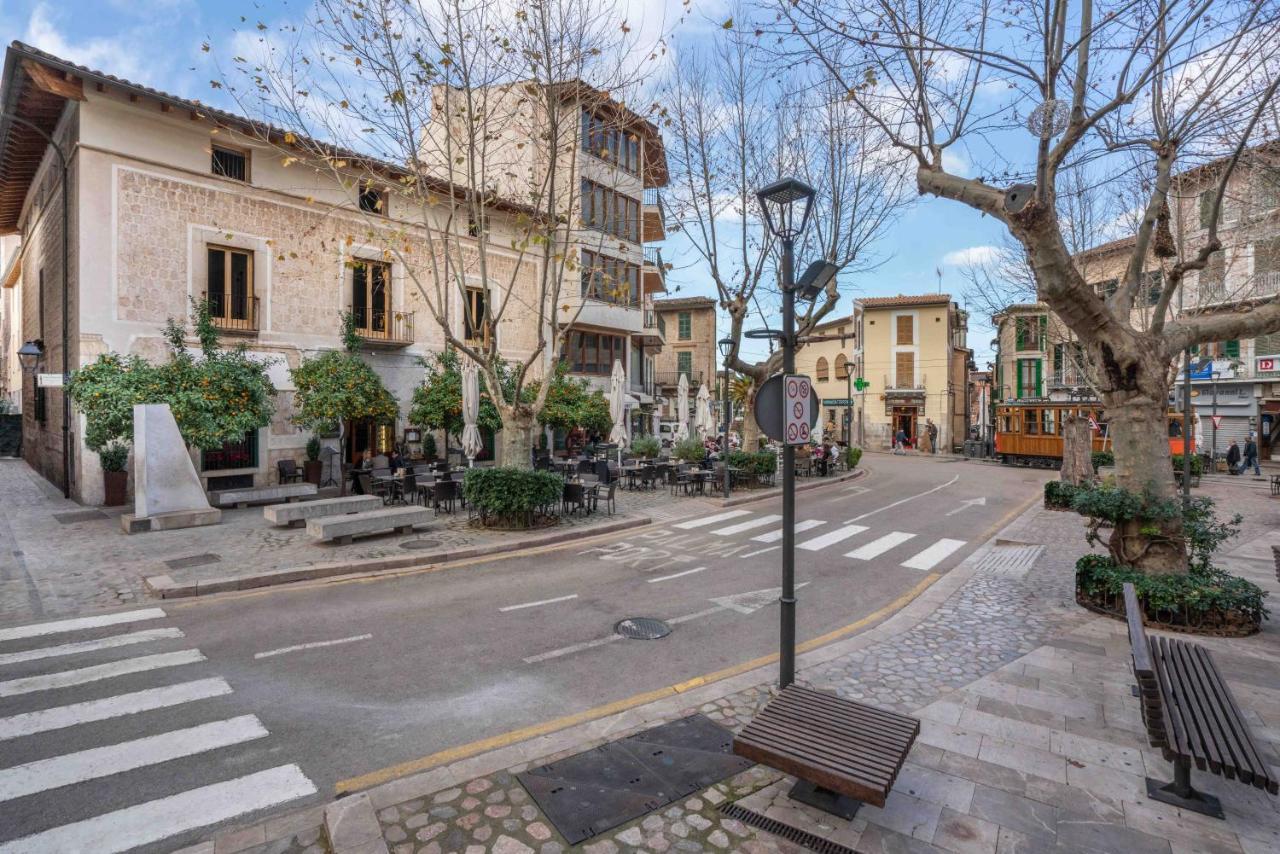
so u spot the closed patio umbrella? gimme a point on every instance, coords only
(682, 408)
(472, 443)
(617, 405)
(702, 413)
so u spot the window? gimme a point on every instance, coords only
(477, 227)
(905, 329)
(1231, 349)
(373, 200)
(610, 279)
(1153, 282)
(842, 367)
(610, 211)
(1206, 206)
(1268, 188)
(1009, 424)
(610, 143)
(41, 405)
(370, 295)
(685, 326)
(1031, 421)
(1028, 379)
(904, 370)
(476, 320)
(230, 163)
(230, 287)
(1047, 425)
(1266, 257)
(241, 454)
(684, 363)
(1030, 332)
(1107, 288)
(593, 353)
(1213, 278)
(821, 370)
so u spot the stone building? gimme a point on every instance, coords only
(916, 360)
(689, 327)
(172, 201)
(831, 357)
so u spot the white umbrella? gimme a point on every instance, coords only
(682, 408)
(472, 443)
(617, 405)
(702, 412)
(817, 430)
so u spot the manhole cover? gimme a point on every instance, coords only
(642, 628)
(414, 545)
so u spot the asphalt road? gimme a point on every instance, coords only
(287, 692)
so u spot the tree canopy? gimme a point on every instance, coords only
(338, 386)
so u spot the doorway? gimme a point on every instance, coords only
(904, 419)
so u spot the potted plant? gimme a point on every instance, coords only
(313, 469)
(115, 478)
(429, 446)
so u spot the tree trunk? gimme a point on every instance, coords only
(1077, 451)
(516, 439)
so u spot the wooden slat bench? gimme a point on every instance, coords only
(842, 752)
(1191, 716)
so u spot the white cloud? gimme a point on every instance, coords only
(124, 55)
(970, 256)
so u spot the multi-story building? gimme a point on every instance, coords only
(689, 324)
(916, 359)
(831, 357)
(171, 201)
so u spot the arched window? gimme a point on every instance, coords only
(842, 367)
(822, 369)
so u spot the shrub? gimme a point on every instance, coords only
(759, 463)
(690, 450)
(1197, 464)
(1102, 458)
(313, 448)
(429, 445)
(646, 446)
(511, 497)
(1205, 599)
(114, 457)
(852, 456)
(1058, 494)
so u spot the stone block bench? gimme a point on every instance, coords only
(343, 528)
(297, 514)
(273, 494)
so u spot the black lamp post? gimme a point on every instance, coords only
(29, 356)
(786, 205)
(726, 349)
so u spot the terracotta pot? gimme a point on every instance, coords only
(116, 487)
(312, 470)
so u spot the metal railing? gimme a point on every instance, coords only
(917, 385)
(653, 255)
(651, 197)
(381, 325)
(654, 320)
(644, 386)
(233, 314)
(617, 293)
(672, 378)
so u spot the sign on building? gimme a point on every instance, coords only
(1268, 364)
(49, 380)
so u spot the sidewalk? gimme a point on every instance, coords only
(1030, 739)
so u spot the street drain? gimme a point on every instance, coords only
(414, 545)
(642, 628)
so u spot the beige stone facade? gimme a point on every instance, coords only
(690, 333)
(831, 358)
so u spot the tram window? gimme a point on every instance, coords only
(1047, 422)
(1009, 425)
(1033, 425)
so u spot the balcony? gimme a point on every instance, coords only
(1259, 286)
(642, 386)
(384, 330)
(671, 379)
(655, 329)
(602, 308)
(233, 316)
(653, 218)
(653, 275)
(906, 387)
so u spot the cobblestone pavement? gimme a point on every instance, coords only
(58, 557)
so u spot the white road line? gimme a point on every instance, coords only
(774, 536)
(711, 520)
(44, 720)
(65, 678)
(696, 615)
(160, 819)
(904, 500)
(566, 650)
(746, 526)
(539, 602)
(831, 538)
(932, 556)
(71, 768)
(60, 626)
(78, 647)
(677, 575)
(875, 548)
(761, 551)
(313, 645)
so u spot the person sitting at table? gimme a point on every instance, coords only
(395, 461)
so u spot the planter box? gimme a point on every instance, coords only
(312, 471)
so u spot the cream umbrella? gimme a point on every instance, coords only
(682, 408)
(617, 405)
(472, 443)
(702, 412)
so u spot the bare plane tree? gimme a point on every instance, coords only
(1172, 83)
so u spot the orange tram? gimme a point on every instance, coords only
(1029, 433)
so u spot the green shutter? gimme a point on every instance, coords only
(1232, 349)
(1206, 207)
(1018, 381)
(1195, 349)
(684, 363)
(1039, 378)
(1044, 332)
(685, 326)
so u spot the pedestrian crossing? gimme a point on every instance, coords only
(865, 544)
(59, 680)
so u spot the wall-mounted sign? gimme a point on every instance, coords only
(49, 380)
(1268, 364)
(837, 401)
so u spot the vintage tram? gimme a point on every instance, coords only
(1029, 432)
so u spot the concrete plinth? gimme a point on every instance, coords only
(133, 524)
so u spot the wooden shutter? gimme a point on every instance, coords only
(904, 329)
(1039, 378)
(1231, 349)
(905, 371)
(1019, 329)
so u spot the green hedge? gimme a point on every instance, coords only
(852, 456)
(511, 497)
(1058, 494)
(760, 463)
(1204, 599)
(1102, 458)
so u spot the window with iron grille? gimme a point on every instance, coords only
(41, 405)
(373, 200)
(1213, 278)
(230, 163)
(229, 286)
(241, 454)
(370, 295)
(476, 320)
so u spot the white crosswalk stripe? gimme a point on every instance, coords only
(932, 556)
(60, 717)
(830, 538)
(77, 624)
(877, 547)
(748, 525)
(774, 536)
(711, 520)
(79, 647)
(67, 678)
(156, 820)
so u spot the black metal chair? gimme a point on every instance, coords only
(445, 492)
(574, 496)
(405, 488)
(369, 486)
(608, 497)
(287, 471)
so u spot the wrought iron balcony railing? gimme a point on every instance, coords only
(386, 327)
(236, 314)
(671, 379)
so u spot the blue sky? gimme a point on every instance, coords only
(158, 43)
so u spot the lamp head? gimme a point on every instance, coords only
(815, 279)
(786, 204)
(726, 346)
(30, 354)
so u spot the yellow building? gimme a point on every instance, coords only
(916, 363)
(830, 358)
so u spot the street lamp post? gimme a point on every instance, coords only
(726, 350)
(1213, 444)
(786, 204)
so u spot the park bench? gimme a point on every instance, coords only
(271, 494)
(840, 751)
(1190, 714)
(343, 527)
(297, 514)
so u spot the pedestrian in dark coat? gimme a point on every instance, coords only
(1233, 458)
(1251, 456)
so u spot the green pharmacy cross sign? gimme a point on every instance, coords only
(861, 385)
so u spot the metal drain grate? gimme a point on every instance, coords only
(414, 545)
(1011, 559)
(642, 628)
(785, 831)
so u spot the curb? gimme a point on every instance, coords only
(352, 828)
(164, 587)
(803, 487)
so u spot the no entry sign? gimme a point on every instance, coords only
(797, 393)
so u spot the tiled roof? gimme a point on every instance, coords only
(905, 300)
(683, 302)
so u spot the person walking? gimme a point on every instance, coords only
(1251, 455)
(900, 441)
(932, 430)
(1233, 458)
